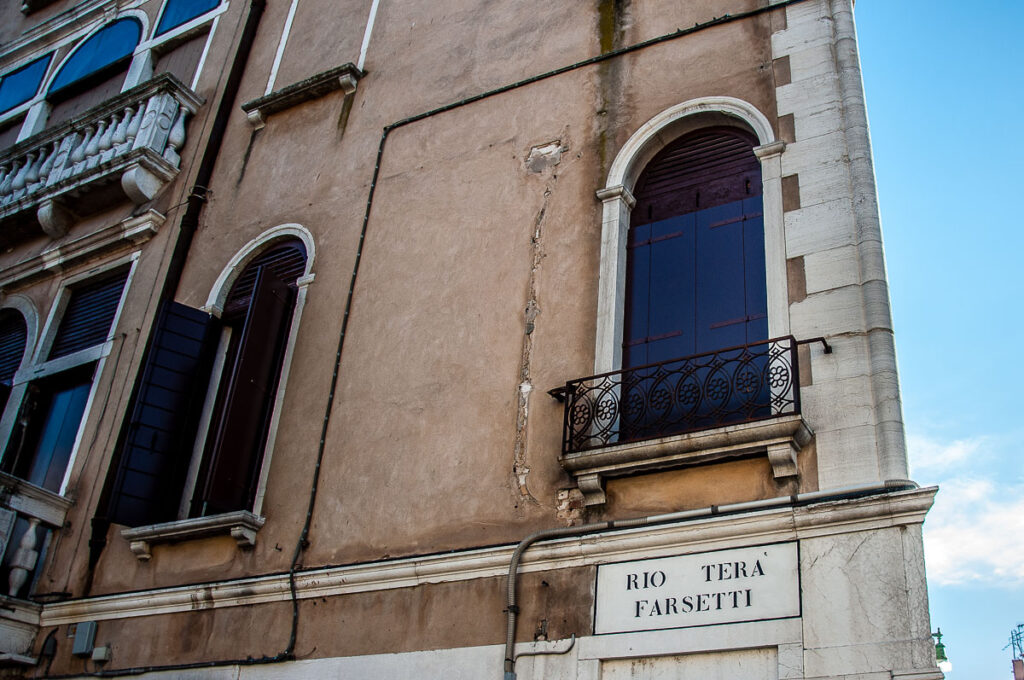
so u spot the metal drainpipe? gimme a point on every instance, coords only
(512, 610)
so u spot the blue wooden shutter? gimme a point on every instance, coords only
(158, 448)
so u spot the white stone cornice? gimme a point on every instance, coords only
(708, 533)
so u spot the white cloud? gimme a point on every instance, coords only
(975, 533)
(934, 455)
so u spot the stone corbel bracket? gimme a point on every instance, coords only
(342, 77)
(780, 438)
(241, 526)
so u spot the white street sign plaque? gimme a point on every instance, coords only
(725, 586)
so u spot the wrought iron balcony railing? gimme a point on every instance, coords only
(129, 143)
(728, 387)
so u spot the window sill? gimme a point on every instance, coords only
(32, 501)
(780, 438)
(241, 526)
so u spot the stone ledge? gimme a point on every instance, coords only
(29, 499)
(241, 526)
(342, 77)
(779, 438)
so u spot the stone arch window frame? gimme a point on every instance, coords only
(618, 201)
(36, 111)
(215, 306)
(37, 366)
(19, 383)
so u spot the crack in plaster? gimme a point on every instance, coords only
(520, 467)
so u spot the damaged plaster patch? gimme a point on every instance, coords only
(570, 506)
(545, 156)
(531, 311)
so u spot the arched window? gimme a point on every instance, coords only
(695, 261)
(199, 429)
(95, 70)
(256, 320)
(107, 49)
(13, 335)
(178, 12)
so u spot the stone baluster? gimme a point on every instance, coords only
(6, 177)
(23, 563)
(92, 150)
(107, 140)
(63, 158)
(78, 155)
(121, 132)
(22, 176)
(47, 167)
(176, 138)
(133, 127)
(35, 169)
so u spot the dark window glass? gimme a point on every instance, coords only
(177, 12)
(89, 314)
(13, 333)
(17, 87)
(108, 49)
(40, 446)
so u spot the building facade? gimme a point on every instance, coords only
(364, 338)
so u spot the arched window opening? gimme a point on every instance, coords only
(256, 320)
(195, 442)
(695, 263)
(178, 12)
(43, 441)
(13, 335)
(95, 71)
(696, 288)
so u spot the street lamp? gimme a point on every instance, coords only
(940, 652)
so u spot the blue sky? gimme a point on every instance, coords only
(944, 92)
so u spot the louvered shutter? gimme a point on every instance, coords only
(237, 443)
(286, 261)
(13, 334)
(695, 256)
(89, 313)
(161, 434)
